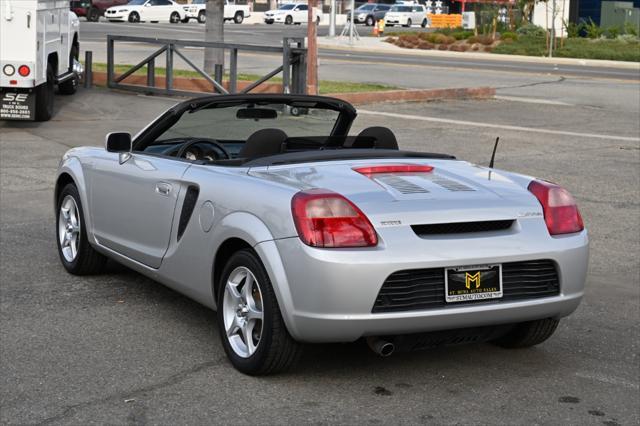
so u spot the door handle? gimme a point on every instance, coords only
(163, 188)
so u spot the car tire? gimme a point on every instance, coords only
(424, 23)
(288, 20)
(273, 350)
(369, 21)
(317, 20)
(238, 18)
(134, 17)
(528, 334)
(202, 17)
(70, 86)
(77, 257)
(44, 96)
(174, 18)
(93, 15)
(408, 24)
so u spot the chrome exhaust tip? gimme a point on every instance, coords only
(380, 346)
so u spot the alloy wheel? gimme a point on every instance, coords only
(242, 312)
(69, 228)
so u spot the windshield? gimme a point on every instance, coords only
(401, 9)
(137, 2)
(287, 7)
(198, 1)
(366, 7)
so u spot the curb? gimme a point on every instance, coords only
(408, 95)
(488, 56)
(416, 95)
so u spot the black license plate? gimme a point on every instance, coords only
(17, 104)
(467, 283)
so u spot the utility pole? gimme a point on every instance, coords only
(214, 31)
(312, 50)
(553, 28)
(332, 19)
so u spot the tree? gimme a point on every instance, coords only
(214, 32)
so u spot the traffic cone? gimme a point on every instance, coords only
(375, 31)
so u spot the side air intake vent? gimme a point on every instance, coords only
(187, 208)
(462, 227)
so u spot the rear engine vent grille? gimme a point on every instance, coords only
(402, 185)
(462, 227)
(448, 184)
(421, 289)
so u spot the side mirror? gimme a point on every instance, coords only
(118, 142)
(147, 4)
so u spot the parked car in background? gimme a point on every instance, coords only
(147, 10)
(94, 9)
(291, 13)
(232, 12)
(369, 13)
(406, 15)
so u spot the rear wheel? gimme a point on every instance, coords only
(238, 17)
(318, 20)
(70, 86)
(288, 20)
(76, 254)
(251, 327)
(93, 15)
(202, 17)
(528, 334)
(424, 23)
(134, 17)
(44, 96)
(174, 18)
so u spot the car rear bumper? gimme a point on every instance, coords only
(328, 295)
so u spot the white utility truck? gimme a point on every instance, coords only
(38, 51)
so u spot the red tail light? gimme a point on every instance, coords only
(326, 219)
(393, 168)
(24, 70)
(560, 210)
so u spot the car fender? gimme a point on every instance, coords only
(71, 166)
(255, 232)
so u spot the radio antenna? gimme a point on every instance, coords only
(493, 155)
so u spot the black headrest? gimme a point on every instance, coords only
(385, 139)
(263, 143)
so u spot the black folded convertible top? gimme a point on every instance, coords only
(339, 154)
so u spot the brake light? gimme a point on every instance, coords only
(560, 210)
(326, 219)
(393, 168)
(24, 70)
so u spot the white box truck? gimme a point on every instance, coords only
(39, 50)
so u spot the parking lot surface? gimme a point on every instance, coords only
(121, 349)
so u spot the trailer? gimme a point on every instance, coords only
(39, 51)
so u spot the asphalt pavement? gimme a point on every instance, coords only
(121, 349)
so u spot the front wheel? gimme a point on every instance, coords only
(44, 96)
(528, 334)
(370, 21)
(252, 330)
(288, 20)
(409, 23)
(174, 18)
(202, 17)
(134, 17)
(76, 254)
(70, 86)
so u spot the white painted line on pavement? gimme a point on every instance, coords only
(531, 100)
(609, 379)
(499, 126)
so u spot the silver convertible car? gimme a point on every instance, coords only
(266, 209)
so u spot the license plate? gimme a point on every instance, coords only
(467, 283)
(17, 105)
